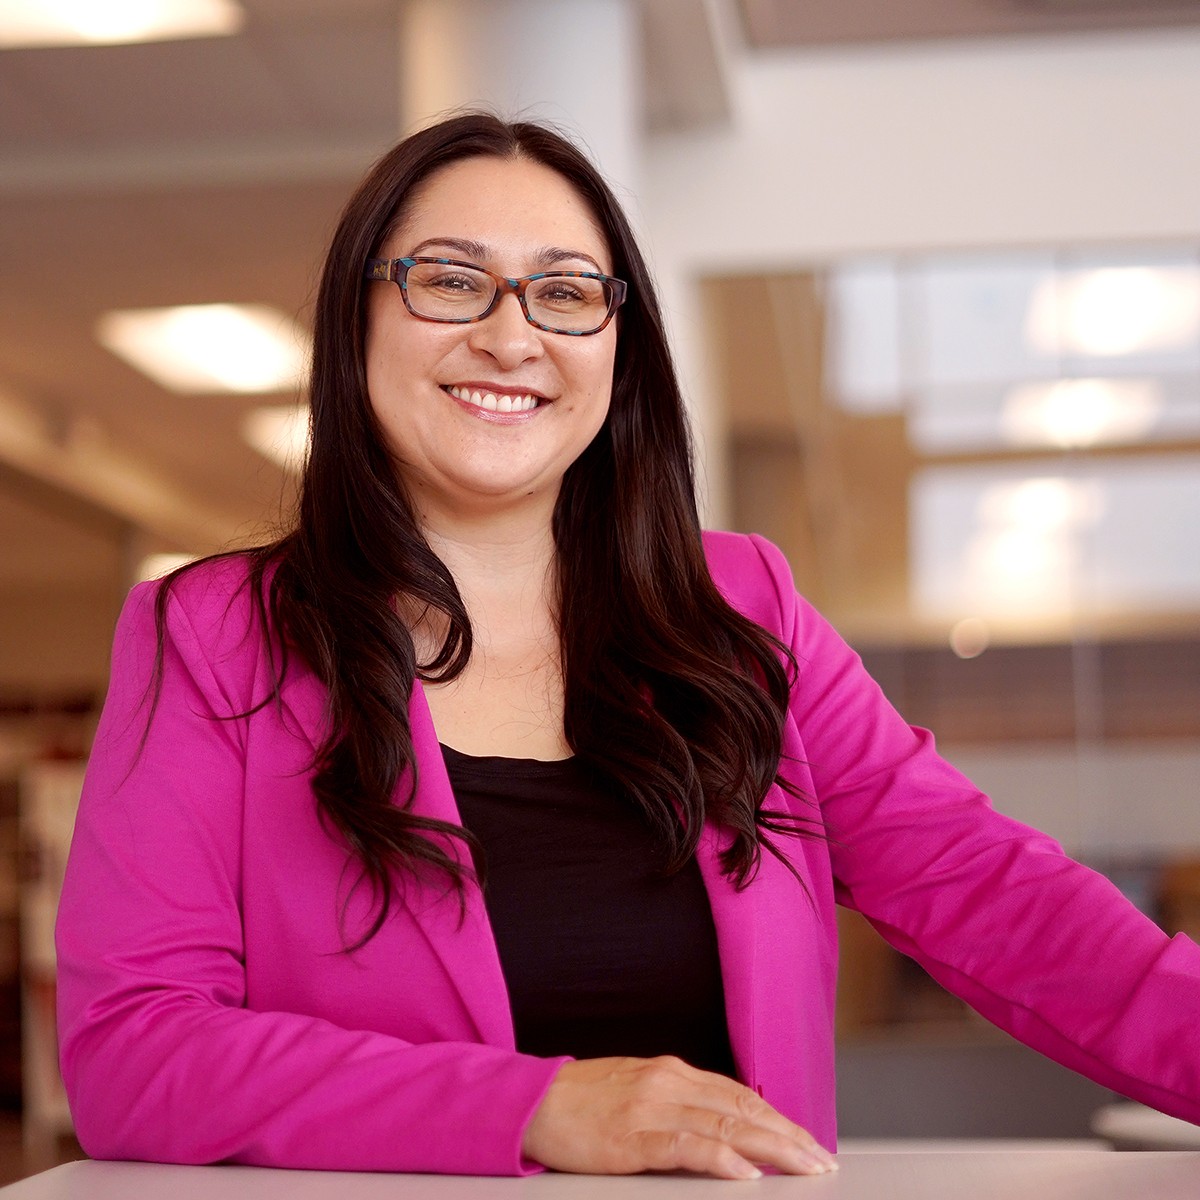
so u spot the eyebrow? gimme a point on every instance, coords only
(545, 257)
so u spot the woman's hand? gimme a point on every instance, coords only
(618, 1116)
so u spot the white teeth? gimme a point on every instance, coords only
(504, 403)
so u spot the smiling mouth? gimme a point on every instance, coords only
(505, 402)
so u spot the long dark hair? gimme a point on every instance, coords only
(669, 693)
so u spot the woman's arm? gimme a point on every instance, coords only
(1043, 947)
(161, 1057)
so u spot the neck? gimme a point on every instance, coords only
(495, 560)
(490, 533)
(505, 570)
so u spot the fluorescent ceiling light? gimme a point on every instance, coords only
(1025, 550)
(280, 433)
(1081, 412)
(1046, 505)
(1116, 310)
(209, 347)
(93, 22)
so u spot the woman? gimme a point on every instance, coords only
(668, 766)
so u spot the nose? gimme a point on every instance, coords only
(506, 336)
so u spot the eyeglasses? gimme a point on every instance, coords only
(441, 289)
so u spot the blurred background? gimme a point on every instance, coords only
(932, 275)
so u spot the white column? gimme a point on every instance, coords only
(572, 63)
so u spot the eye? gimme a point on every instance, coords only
(560, 290)
(454, 281)
(567, 293)
(448, 291)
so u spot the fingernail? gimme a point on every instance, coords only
(815, 1162)
(749, 1171)
(822, 1155)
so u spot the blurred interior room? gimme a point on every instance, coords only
(932, 275)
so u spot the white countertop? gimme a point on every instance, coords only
(912, 1174)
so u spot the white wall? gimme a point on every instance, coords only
(918, 146)
(1120, 800)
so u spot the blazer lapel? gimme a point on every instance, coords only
(468, 950)
(466, 947)
(735, 918)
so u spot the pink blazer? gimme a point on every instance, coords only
(208, 1012)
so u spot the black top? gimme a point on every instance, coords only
(602, 953)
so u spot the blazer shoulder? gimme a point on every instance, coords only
(209, 609)
(753, 576)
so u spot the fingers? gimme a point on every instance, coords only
(796, 1155)
(729, 1112)
(732, 1155)
(623, 1116)
(659, 1151)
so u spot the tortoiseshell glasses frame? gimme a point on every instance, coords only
(470, 293)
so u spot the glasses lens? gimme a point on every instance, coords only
(447, 291)
(568, 302)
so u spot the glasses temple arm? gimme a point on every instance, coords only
(380, 268)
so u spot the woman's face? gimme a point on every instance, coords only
(429, 382)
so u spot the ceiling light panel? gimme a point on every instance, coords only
(1115, 311)
(204, 348)
(99, 22)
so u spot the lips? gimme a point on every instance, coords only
(504, 402)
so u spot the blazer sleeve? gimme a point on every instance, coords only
(1042, 946)
(161, 1058)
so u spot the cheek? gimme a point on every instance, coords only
(377, 354)
(599, 375)
(396, 359)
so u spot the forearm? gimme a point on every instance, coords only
(207, 1014)
(165, 1078)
